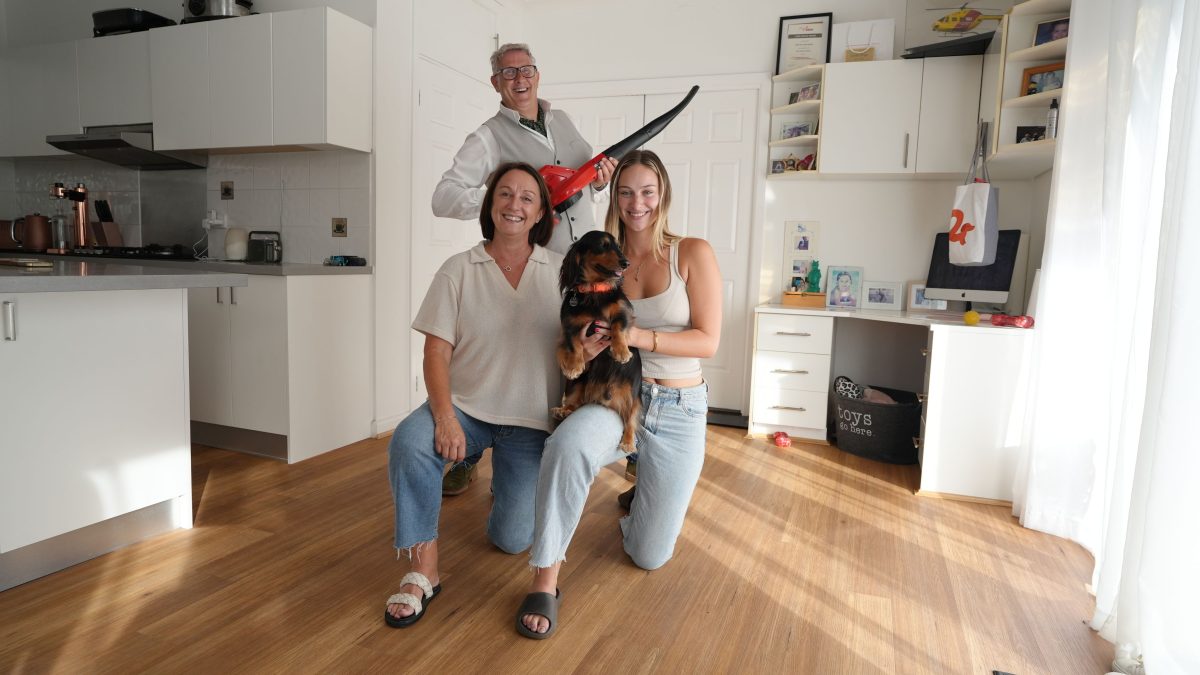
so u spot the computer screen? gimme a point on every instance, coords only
(985, 283)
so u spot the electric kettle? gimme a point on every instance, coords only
(35, 233)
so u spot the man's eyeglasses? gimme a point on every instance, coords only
(510, 73)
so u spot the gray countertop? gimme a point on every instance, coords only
(69, 274)
(272, 269)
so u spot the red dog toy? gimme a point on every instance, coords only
(782, 440)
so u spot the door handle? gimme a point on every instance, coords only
(10, 321)
(905, 158)
(219, 296)
(921, 398)
(232, 296)
(788, 407)
(790, 372)
(784, 332)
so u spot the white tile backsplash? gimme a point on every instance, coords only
(298, 194)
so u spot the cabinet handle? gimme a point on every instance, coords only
(917, 442)
(790, 372)
(784, 332)
(921, 398)
(10, 321)
(924, 352)
(905, 158)
(788, 407)
(219, 296)
(232, 296)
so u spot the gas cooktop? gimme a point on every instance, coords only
(147, 252)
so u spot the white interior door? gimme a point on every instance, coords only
(709, 152)
(449, 106)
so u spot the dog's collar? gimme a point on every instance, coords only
(601, 287)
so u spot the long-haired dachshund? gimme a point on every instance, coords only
(591, 284)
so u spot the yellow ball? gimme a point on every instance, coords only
(971, 317)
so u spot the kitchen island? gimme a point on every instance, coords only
(95, 446)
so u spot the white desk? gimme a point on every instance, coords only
(972, 379)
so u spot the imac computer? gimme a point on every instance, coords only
(989, 284)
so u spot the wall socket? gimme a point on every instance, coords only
(339, 227)
(226, 189)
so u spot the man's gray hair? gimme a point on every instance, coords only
(510, 47)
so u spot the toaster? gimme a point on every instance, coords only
(264, 246)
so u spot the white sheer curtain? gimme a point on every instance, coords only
(1111, 458)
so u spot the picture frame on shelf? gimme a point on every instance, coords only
(1037, 79)
(793, 97)
(777, 166)
(801, 239)
(917, 299)
(843, 287)
(883, 295)
(1030, 134)
(794, 129)
(803, 41)
(1049, 31)
(809, 92)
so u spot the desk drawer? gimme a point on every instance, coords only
(791, 408)
(790, 370)
(795, 333)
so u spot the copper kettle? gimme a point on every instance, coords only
(35, 233)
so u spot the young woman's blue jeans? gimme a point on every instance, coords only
(670, 445)
(415, 469)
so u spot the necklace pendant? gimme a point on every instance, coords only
(574, 301)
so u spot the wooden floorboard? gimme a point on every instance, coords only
(794, 560)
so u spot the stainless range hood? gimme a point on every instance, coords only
(130, 146)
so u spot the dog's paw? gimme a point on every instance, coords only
(561, 412)
(572, 371)
(621, 353)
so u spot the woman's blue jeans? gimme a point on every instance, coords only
(670, 445)
(415, 470)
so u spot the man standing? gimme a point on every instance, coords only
(525, 129)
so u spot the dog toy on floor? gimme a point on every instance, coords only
(972, 318)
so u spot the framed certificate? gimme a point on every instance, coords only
(803, 41)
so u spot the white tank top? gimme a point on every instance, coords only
(667, 312)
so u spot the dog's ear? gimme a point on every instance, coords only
(571, 274)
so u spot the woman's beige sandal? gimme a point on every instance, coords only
(539, 603)
(418, 604)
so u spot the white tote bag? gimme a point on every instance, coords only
(974, 225)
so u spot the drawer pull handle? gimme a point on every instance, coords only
(784, 332)
(790, 372)
(922, 397)
(788, 407)
(10, 320)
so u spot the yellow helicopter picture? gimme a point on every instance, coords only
(963, 21)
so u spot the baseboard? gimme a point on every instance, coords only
(964, 498)
(248, 441)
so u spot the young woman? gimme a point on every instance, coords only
(490, 321)
(675, 287)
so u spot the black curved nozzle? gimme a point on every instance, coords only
(641, 136)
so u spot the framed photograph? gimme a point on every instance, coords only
(1037, 79)
(917, 299)
(803, 41)
(777, 166)
(801, 238)
(794, 129)
(809, 92)
(798, 284)
(1049, 31)
(1030, 134)
(844, 287)
(883, 295)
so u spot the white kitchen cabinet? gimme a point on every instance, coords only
(287, 355)
(114, 79)
(949, 114)
(790, 382)
(321, 80)
(179, 96)
(41, 99)
(295, 78)
(870, 118)
(237, 338)
(93, 410)
(900, 116)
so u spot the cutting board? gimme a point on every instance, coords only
(26, 262)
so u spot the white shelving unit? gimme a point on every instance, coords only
(787, 113)
(1013, 108)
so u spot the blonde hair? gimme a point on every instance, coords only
(660, 234)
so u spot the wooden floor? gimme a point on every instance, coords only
(797, 560)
